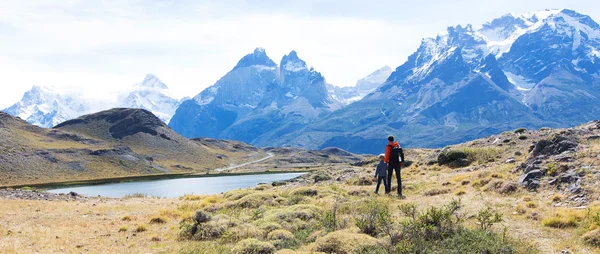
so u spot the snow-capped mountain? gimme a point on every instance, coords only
(520, 70)
(47, 107)
(257, 99)
(364, 86)
(153, 95)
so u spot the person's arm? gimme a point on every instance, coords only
(376, 171)
(387, 154)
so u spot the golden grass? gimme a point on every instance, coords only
(564, 218)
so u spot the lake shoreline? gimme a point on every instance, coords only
(141, 178)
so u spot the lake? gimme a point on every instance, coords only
(170, 188)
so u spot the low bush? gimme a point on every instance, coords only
(141, 228)
(520, 130)
(320, 177)
(253, 246)
(344, 242)
(305, 192)
(361, 181)
(255, 200)
(370, 215)
(453, 158)
(435, 192)
(242, 231)
(280, 234)
(158, 220)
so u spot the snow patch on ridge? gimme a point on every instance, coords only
(520, 82)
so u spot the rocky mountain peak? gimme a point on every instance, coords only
(151, 81)
(292, 63)
(258, 57)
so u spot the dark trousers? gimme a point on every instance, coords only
(391, 168)
(385, 185)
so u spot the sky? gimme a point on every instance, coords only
(97, 47)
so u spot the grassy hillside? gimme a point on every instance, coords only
(525, 191)
(85, 149)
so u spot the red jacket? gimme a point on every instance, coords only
(388, 151)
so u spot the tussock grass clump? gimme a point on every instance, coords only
(520, 130)
(280, 234)
(253, 246)
(557, 197)
(293, 213)
(123, 229)
(460, 192)
(189, 197)
(237, 194)
(270, 226)
(345, 242)
(361, 181)
(435, 192)
(531, 204)
(126, 218)
(482, 155)
(309, 192)
(141, 228)
(255, 200)
(564, 218)
(592, 238)
(320, 177)
(243, 231)
(158, 220)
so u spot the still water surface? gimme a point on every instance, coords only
(170, 188)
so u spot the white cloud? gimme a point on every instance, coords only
(100, 46)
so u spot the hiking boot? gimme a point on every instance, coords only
(401, 197)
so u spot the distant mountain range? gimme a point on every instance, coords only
(520, 70)
(48, 107)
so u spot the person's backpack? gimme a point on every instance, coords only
(397, 154)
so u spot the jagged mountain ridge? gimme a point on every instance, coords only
(364, 86)
(257, 101)
(521, 70)
(48, 107)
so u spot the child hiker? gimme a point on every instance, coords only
(381, 174)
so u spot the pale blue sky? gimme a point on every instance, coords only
(96, 46)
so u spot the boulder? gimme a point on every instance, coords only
(554, 146)
(569, 177)
(527, 178)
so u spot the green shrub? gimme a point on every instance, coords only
(523, 137)
(486, 218)
(453, 158)
(370, 214)
(520, 130)
(321, 177)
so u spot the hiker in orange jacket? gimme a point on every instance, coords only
(394, 163)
